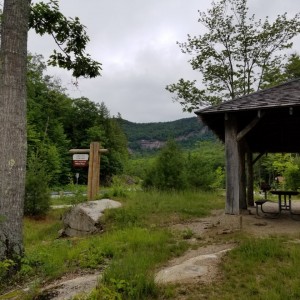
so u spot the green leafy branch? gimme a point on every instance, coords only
(69, 35)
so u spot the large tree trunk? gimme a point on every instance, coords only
(13, 60)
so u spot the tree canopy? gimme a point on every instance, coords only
(57, 123)
(284, 72)
(233, 54)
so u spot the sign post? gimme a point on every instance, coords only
(94, 166)
(77, 177)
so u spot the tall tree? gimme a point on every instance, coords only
(48, 112)
(13, 60)
(44, 18)
(233, 54)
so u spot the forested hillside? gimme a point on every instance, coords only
(148, 137)
(57, 123)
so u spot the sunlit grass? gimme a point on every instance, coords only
(137, 241)
(160, 208)
(257, 269)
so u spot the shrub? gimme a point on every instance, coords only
(168, 171)
(292, 175)
(37, 196)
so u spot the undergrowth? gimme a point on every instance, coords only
(135, 242)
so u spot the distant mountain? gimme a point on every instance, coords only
(149, 137)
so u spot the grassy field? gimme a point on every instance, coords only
(137, 240)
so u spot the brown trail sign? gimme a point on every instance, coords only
(80, 160)
(94, 167)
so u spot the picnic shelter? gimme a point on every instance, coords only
(267, 121)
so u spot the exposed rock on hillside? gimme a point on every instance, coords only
(145, 137)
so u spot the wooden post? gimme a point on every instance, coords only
(250, 197)
(243, 179)
(94, 171)
(94, 168)
(235, 185)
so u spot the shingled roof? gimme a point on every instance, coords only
(286, 94)
(279, 128)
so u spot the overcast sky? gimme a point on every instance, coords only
(135, 40)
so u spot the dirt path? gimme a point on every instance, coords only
(201, 265)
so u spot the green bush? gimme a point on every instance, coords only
(37, 196)
(201, 168)
(292, 175)
(168, 171)
(5, 267)
(205, 166)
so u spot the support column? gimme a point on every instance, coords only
(235, 168)
(243, 178)
(94, 171)
(250, 185)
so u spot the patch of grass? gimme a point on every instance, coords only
(187, 234)
(74, 199)
(131, 272)
(41, 230)
(257, 269)
(156, 208)
(134, 244)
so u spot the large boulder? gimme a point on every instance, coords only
(84, 218)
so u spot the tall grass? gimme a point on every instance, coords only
(130, 275)
(135, 264)
(135, 242)
(158, 208)
(262, 269)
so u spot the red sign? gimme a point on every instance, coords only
(80, 163)
(80, 160)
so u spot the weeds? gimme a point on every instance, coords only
(136, 242)
(255, 270)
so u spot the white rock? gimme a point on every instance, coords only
(192, 268)
(83, 219)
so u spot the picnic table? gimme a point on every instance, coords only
(284, 202)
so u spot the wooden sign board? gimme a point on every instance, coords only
(80, 160)
(93, 164)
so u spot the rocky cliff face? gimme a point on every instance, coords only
(149, 137)
(151, 144)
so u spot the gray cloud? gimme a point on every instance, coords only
(135, 41)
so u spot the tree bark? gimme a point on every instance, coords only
(13, 60)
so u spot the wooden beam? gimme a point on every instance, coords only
(80, 151)
(257, 158)
(250, 126)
